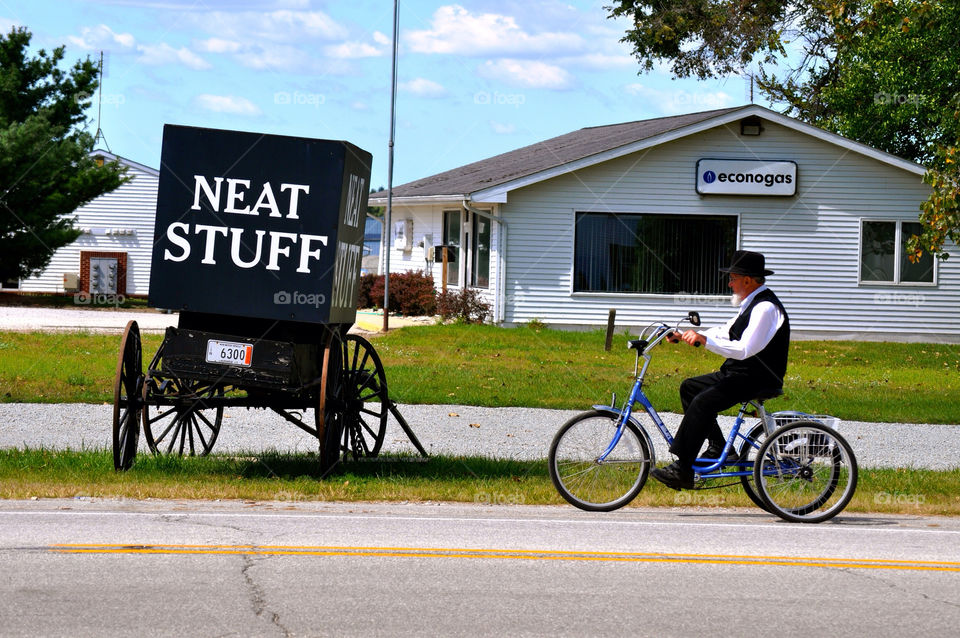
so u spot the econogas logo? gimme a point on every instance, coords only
(767, 179)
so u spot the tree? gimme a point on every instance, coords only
(881, 72)
(46, 171)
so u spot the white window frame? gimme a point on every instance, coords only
(897, 256)
(466, 262)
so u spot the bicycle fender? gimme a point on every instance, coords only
(606, 409)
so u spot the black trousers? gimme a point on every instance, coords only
(703, 398)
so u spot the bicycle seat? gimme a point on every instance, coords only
(767, 393)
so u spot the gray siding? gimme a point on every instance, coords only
(810, 240)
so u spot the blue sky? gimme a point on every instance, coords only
(475, 78)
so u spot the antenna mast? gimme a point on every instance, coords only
(100, 134)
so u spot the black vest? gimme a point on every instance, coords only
(768, 366)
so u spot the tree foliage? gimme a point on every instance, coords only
(881, 72)
(45, 169)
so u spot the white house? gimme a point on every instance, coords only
(112, 256)
(639, 216)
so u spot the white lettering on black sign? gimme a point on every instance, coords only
(351, 213)
(269, 247)
(344, 279)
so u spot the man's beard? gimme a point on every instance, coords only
(735, 300)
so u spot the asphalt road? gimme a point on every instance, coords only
(160, 568)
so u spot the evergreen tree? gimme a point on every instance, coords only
(46, 171)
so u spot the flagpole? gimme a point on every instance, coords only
(393, 121)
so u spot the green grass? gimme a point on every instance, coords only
(285, 477)
(73, 367)
(538, 367)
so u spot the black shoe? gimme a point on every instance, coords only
(715, 450)
(674, 476)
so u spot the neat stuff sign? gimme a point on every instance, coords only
(257, 225)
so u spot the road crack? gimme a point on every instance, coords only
(258, 596)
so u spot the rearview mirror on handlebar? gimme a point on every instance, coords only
(693, 317)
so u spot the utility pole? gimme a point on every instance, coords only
(393, 122)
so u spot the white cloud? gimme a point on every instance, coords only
(101, 37)
(351, 50)
(281, 40)
(273, 26)
(163, 53)
(423, 88)
(227, 104)
(380, 38)
(502, 129)
(219, 45)
(527, 73)
(679, 101)
(455, 30)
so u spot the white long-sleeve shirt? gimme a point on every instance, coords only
(765, 320)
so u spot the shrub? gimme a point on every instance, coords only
(411, 293)
(466, 305)
(364, 298)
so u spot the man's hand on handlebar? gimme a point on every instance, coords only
(692, 337)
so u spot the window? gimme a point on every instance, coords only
(451, 237)
(883, 254)
(657, 254)
(473, 230)
(480, 273)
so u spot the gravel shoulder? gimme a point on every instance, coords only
(507, 433)
(514, 433)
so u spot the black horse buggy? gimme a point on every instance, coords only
(257, 246)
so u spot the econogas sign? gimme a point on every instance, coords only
(746, 177)
(257, 225)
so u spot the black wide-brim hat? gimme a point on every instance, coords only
(747, 263)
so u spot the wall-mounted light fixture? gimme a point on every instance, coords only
(751, 126)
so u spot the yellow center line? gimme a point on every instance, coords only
(516, 554)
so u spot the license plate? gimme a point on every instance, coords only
(229, 352)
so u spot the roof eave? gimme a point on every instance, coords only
(499, 192)
(419, 199)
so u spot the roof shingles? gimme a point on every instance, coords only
(544, 155)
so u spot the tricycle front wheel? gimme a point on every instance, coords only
(584, 480)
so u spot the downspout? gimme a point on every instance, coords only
(499, 291)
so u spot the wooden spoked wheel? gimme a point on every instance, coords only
(185, 417)
(328, 413)
(127, 398)
(365, 399)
